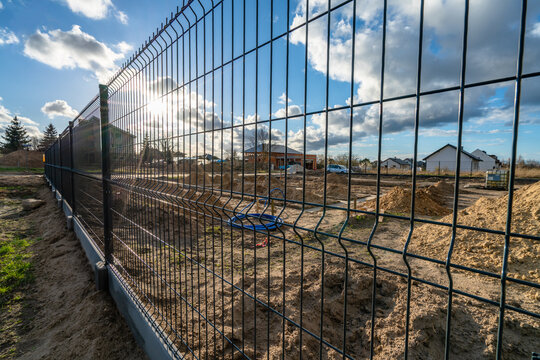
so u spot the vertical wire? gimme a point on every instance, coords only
(213, 66)
(198, 267)
(457, 178)
(243, 274)
(325, 192)
(268, 252)
(230, 192)
(413, 190)
(508, 228)
(255, 163)
(345, 223)
(304, 118)
(286, 161)
(378, 186)
(206, 328)
(232, 173)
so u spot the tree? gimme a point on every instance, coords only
(15, 136)
(261, 138)
(49, 137)
(34, 143)
(167, 151)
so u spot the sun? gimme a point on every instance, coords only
(156, 107)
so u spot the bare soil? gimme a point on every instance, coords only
(302, 272)
(60, 315)
(22, 158)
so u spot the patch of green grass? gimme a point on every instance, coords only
(22, 170)
(213, 230)
(15, 265)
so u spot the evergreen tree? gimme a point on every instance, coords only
(15, 136)
(146, 153)
(49, 137)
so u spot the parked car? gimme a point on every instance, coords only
(338, 169)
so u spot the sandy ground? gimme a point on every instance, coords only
(22, 158)
(273, 274)
(64, 316)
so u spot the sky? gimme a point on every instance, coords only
(55, 52)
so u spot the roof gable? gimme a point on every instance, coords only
(455, 148)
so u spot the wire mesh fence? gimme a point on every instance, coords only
(203, 172)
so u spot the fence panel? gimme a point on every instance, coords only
(88, 190)
(239, 240)
(65, 163)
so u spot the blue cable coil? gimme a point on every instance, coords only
(267, 222)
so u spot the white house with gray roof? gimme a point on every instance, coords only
(395, 163)
(489, 162)
(445, 159)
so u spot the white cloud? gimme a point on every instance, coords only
(6, 116)
(93, 9)
(491, 54)
(96, 9)
(293, 110)
(122, 17)
(8, 37)
(283, 99)
(536, 30)
(124, 47)
(74, 49)
(1, 5)
(58, 108)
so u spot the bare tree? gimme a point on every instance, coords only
(259, 141)
(34, 143)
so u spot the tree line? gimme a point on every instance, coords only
(16, 137)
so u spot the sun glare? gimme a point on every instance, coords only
(156, 108)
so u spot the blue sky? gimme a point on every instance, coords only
(54, 53)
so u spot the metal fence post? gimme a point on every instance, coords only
(61, 183)
(106, 170)
(71, 167)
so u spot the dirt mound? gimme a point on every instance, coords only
(427, 318)
(226, 181)
(23, 158)
(484, 250)
(428, 201)
(199, 178)
(441, 188)
(337, 179)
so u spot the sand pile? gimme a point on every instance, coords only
(199, 178)
(337, 178)
(226, 181)
(441, 188)
(427, 318)
(428, 201)
(22, 158)
(483, 250)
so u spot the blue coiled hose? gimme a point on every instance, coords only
(268, 222)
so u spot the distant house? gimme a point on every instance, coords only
(445, 159)
(489, 162)
(277, 156)
(395, 163)
(419, 164)
(87, 142)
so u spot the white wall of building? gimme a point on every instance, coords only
(487, 163)
(446, 160)
(389, 163)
